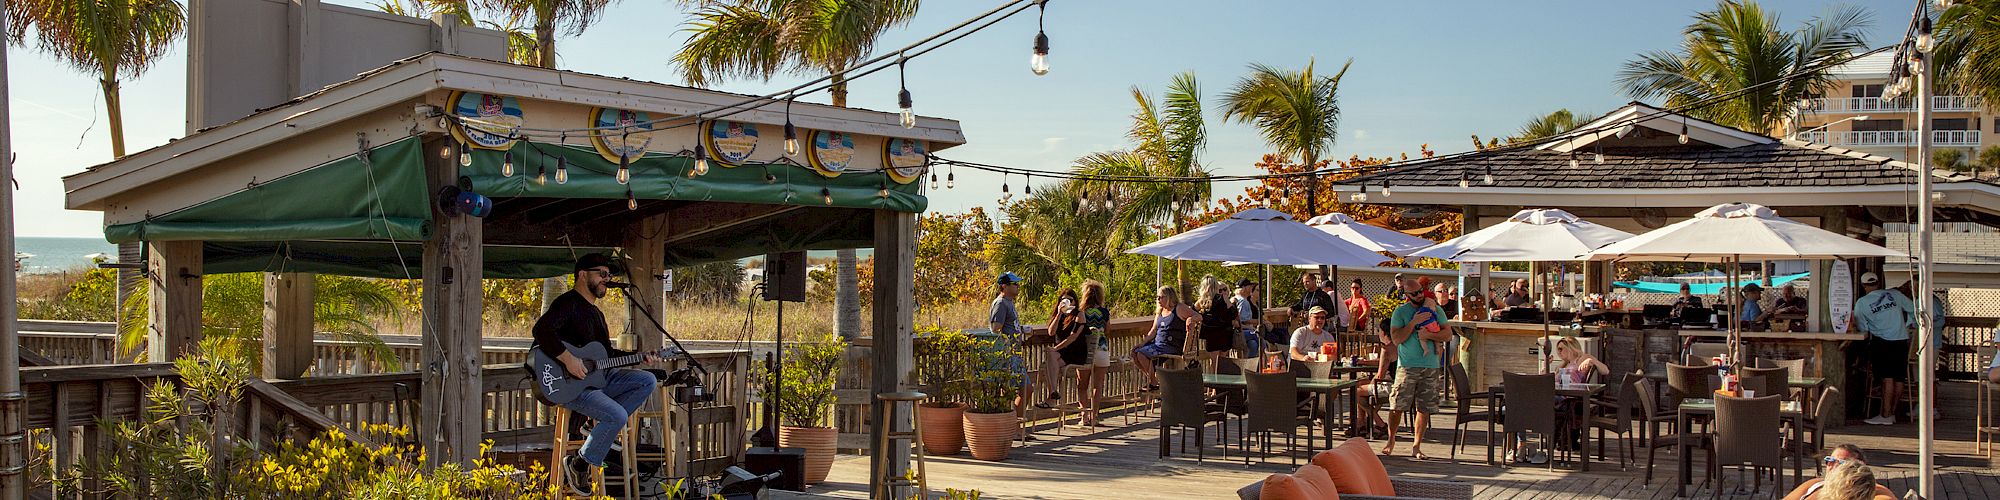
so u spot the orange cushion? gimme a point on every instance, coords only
(1355, 469)
(1318, 478)
(1287, 487)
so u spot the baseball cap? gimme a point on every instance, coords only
(1245, 282)
(1870, 278)
(591, 260)
(1008, 278)
(1752, 288)
(1316, 310)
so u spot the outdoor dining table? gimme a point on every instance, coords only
(1789, 410)
(1330, 387)
(1578, 391)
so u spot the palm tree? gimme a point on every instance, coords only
(572, 16)
(115, 39)
(1168, 143)
(762, 38)
(1952, 159)
(233, 311)
(1738, 47)
(1989, 158)
(522, 48)
(1968, 49)
(1297, 112)
(1551, 125)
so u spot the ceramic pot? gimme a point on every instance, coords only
(991, 435)
(944, 434)
(819, 444)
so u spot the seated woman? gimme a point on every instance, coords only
(1847, 468)
(1171, 322)
(1584, 368)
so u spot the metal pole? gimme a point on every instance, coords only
(13, 434)
(1927, 359)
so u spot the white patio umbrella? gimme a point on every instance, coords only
(1533, 235)
(1731, 232)
(1369, 236)
(1261, 236)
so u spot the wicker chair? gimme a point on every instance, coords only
(1769, 381)
(1746, 434)
(1815, 424)
(1649, 406)
(1182, 405)
(1530, 407)
(1688, 381)
(1274, 409)
(1618, 420)
(1462, 386)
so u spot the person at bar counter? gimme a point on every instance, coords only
(1789, 307)
(1886, 315)
(1687, 300)
(1752, 317)
(1419, 376)
(1517, 295)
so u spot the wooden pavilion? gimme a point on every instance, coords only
(347, 180)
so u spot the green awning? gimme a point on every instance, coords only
(344, 199)
(666, 177)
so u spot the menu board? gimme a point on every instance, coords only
(1840, 295)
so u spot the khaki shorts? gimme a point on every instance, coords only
(1419, 389)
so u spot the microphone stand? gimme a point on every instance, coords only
(695, 390)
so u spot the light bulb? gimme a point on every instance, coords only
(950, 180)
(1003, 185)
(631, 202)
(1360, 197)
(909, 115)
(826, 195)
(1572, 161)
(1684, 137)
(1385, 190)
(1039, 63)
(562, 172)
(1599, 158)
(1464, 182)
(700, 162)
(883, 192)
(507, 164)
(624, 173)
(1489, 178)
(1925, 42)
(770, 179)
(791, 138)
(444, 153)
(465, 157)
(1028, 188)
(542, 177)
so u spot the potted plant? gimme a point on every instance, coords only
(990, 424)
(807, 401)
(942, 368)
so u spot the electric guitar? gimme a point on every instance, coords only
(554, 386)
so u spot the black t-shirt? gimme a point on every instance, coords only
(572, 319)
(1315, 297)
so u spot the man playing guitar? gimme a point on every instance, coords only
(574, 319)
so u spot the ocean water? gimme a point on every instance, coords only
(60, 254)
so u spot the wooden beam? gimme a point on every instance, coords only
(712, 217)
(646, 249)
(894, 312)
(174, 313)
(288, 325)
(452, 409)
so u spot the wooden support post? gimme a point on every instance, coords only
(894, 309)
(452, 409)
(288, 325)
(173, 269)
(646, 252)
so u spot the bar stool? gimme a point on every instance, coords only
(566, 447)
(658, 410)
(892, 487)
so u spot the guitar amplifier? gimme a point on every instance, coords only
(785, 277)
(791, 462)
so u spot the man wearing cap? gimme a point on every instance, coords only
(1886, 315)
(1249, 316)
(1753, 308)
(574, 319)
(1307, 339)
(1006, 321)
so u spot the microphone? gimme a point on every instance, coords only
(614, 284)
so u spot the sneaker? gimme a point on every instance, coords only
(1880, 421)
(576, 473)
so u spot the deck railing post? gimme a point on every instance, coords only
(288, 325)
(894, 309)
(452, 413)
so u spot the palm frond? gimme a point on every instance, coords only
(1738, 50)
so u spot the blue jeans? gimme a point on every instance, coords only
(623, 392)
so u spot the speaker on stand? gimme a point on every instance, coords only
(784, 281)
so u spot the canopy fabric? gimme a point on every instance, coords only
(666, 177)
(347, 198)
(1261, 236)
(1701, 288)
(1738, 232)
(1532, 235)
(1368, 236)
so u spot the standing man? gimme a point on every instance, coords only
(574, 319)
(1419, 376)
(1249, 317)
(1886, 315)
(1312, 296)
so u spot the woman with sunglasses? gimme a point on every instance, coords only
(1844, 475)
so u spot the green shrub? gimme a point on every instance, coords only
(811, 367)
(941, 355)
(997, 378)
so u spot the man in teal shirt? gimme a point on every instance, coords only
(1419, 382)
(1886, 315)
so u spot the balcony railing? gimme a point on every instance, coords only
(1891, 138)
(1840, 105)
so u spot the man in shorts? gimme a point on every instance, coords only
(1886, 315)
(1419, 382)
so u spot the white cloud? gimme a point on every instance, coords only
(1049, 144)
(1361, 134)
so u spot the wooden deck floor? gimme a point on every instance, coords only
(1122, 462)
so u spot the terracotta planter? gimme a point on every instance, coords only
(819, 443)
(944, 434)
(991, 435)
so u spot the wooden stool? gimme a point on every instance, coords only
(658, 408)
(891, 487)
(566, 447)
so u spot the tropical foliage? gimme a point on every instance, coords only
(811, 366)
(951, 258)
(543, 18)
(711, 283)
(1738, 56)
(1950, 159)
(522, 47)
(1550, 125)
(1297, 112)
(1968, 47)
(762, 38)
(942, 367)
(233, 313)
(112, 39)
(998, 376)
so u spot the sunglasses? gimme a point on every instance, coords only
(1829, 461)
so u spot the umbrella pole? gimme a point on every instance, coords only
(1548, 300)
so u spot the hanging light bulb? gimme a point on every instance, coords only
(1572, 160)
(826, 195)
(883, 190)
(1600, 157)
(791, 133)
(624, 169)
(507, 164)
(951, 180)
(562, 171)
(444, 152)
(1489, 176)
(631, 202)
(464, 157)
(1684, 131)
(1028, 187)
(700, 162)
(770, 178)
(1385, 189)
(1925, 42)
(909, 116)
(1464, 182)
(1003, 183)
(1360, 196)
(542, 171)
(1039, 62)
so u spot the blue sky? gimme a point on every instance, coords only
(1424, 73)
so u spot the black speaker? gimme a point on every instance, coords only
(785, 276)
(789, 462)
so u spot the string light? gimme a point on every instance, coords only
(1464, 182)
(1039, 62)
(631, 202)
(464, 156)
(791, 133)
(1684, 130)
(624, 169)
(507, 164)
(1360, 196)
(1572, 159)
(542, 171)
(1028, 185)
(1925, 42)
(562, 170)
(883, 191)
(1489, 175)
(1385, 188)
(700, 162)
(1600, 154)
(951, 178)
(1003, 183)
(826, 195)
(769, 178)
(909, 116)
(444, 152)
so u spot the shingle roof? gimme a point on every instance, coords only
(1784, 164)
